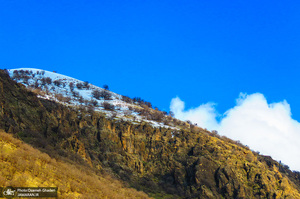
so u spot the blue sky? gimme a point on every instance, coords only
(197, 56)
(198, 50)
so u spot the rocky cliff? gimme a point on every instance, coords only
(166, 163)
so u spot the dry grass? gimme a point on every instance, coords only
(23, 166)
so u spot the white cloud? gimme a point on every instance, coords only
(268, 128)
(204, 115)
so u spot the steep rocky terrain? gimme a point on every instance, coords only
(23, 166)
(182, 162)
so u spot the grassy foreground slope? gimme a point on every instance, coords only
(23, 166)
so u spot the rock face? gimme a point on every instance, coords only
(166, 163)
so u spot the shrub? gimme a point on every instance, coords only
(157, 116)
(134, 109)
(79, 86)
(16, 75)
(94, 102)
(59, 97)
(105, 95)
(140, 101)
(71, 85)
(86, 85)
(90, 109)
(75, 94)
(57, 82)
(108, 106)
(6, 71)
(96, 94)
(127, 99)
(46, 80)
(25, 79)
(36, 84)
(81, 100)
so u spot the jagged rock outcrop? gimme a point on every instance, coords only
(185, 163)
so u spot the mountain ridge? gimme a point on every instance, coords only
(59, 89)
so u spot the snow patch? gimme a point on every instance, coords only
(61, 90)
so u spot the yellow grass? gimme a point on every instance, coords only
(23, 166)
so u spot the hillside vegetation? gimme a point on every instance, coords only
(23, 166)
(185, 162)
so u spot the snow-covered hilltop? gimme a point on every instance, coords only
(73, 92)
(56, 87)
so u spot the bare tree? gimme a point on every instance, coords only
(105, 86)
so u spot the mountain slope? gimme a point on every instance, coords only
(181, 162)
(72, 92)
(23, 166)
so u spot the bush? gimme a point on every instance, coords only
(94, 102)
(36, 85)
(101, 94)
(75, 94)
(86, 85)
(25, 79)
(79, 86)
(16, 75)
(57, 83)
(81, 100)
(108, 106)
(6, 71)
(157, 116)
(46, 80)
(137, 99)
(96, 94)
(71, 85)
(90, 109)
(140, 101)
(189, 122)
(59, 97)
(127, 99)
